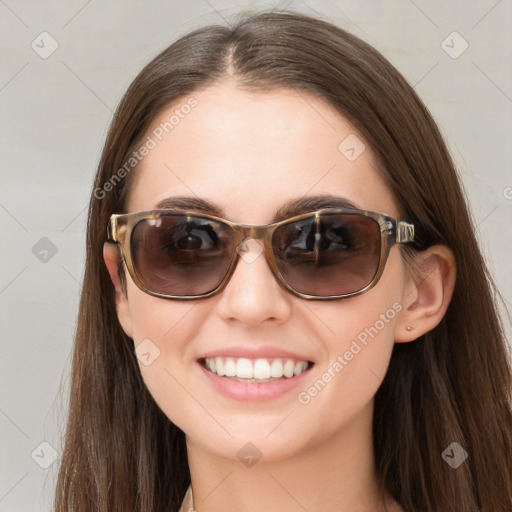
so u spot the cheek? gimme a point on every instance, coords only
(358, 338)
(162, 331)
(358, 347)
(160, 319)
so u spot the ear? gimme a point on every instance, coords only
(112, 258)
(427, 293)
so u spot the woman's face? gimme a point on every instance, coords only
(249, 154)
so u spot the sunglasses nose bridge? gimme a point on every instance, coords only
(257, 232)
(245, 231)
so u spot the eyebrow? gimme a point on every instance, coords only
(289, 209)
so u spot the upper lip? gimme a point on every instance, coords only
(263, 352)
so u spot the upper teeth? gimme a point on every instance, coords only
(260, 369)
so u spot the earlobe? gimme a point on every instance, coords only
(112, 258)
(427, 294)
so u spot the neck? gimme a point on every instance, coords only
(335, 475)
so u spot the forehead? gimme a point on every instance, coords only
(251, 152)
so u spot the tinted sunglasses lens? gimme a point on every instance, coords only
(180, 255)
(337, 255)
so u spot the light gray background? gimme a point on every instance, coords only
(55, 113)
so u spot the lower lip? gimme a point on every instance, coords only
(252, 391)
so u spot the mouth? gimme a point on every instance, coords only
(259, 371)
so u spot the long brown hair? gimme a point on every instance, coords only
(451, 385)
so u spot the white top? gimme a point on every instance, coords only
(187, 505)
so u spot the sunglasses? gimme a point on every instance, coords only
(326, 254)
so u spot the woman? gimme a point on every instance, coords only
(284, 303)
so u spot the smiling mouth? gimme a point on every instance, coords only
(259, 370)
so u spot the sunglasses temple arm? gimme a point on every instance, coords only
(404, 232)
(112, 229)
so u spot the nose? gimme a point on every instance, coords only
(253, 294)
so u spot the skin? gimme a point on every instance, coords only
(249, 153)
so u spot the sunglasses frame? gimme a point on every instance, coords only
(120, 228)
